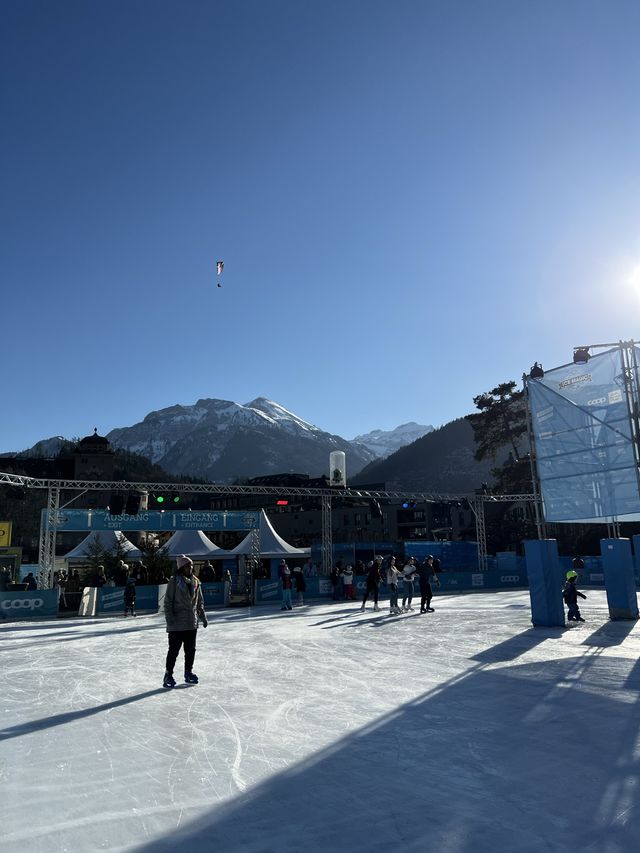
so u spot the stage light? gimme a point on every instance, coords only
(581, 355)
(536, 371)
(282, 503)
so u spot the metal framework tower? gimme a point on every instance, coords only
(47, 549)
(327, 536)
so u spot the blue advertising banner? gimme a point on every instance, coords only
(111, 598)
(28, 605)
(584, 445)
(152, 520)
(215, 594)
(270, 590)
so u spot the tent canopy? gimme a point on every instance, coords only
(271, 545)
(108, 540)
(192, 543)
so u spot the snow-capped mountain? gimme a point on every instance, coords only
(220, 440)
(383, 443)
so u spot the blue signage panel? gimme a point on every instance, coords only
(111, 598)
(27, 605)
(152, 520)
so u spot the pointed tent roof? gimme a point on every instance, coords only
(271, 545)
(108, 540)
(192, 543)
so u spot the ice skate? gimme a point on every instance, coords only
(190, 678)
(362, 609)
(169, 680)
(375, 607)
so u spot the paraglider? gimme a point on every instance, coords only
(219, 268)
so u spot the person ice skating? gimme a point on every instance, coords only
(570, 595)
(393, 573)
(130, 597)
(334, 577)
(299, 581)
(285, 579)
(408, 574)
(183, 606)
(427, 575)
(374, 577)
(347, 583)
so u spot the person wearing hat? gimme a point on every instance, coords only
(570, 595)
(427, 576)
(183, 606)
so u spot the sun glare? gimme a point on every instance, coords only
(634, 280)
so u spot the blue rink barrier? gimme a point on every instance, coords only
(320, 587)
(110, 599)
(215, 594)
(33, 604)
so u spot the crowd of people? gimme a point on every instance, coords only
(378, 572)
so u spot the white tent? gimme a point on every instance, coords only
(108, 540)
(192, 543)
(271, 545)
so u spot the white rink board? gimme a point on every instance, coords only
(460, 731)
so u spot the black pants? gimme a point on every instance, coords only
(176, 639)
(426, 594)
(372, 589)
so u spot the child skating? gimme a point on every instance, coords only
(570, 595)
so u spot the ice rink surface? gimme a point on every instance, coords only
(460, 731)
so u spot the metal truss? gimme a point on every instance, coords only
(327, 536)
(48, 535)
(214, 489)
(47, 550)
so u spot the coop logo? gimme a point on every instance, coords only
(599, 401)
(22, 604)
(509, 579)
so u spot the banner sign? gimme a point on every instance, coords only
(28, 605)
(152, 520)
(584, 444)
(5, 534)
(215, 594)
(111, 598)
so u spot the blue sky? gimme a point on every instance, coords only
(414, 201)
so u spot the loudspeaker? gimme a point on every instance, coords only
(133, 503)
(116, 504)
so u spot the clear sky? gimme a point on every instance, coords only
(414, 201)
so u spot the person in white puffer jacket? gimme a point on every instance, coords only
(408, 575)
(393, 576)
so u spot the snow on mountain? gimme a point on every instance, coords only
(384, 443)
(221, 440)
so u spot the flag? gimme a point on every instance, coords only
(220, 267)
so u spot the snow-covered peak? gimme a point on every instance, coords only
(279, 415)
(384, 443)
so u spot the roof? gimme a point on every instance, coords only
(271, 545)
(109, 540)
(192, 543)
